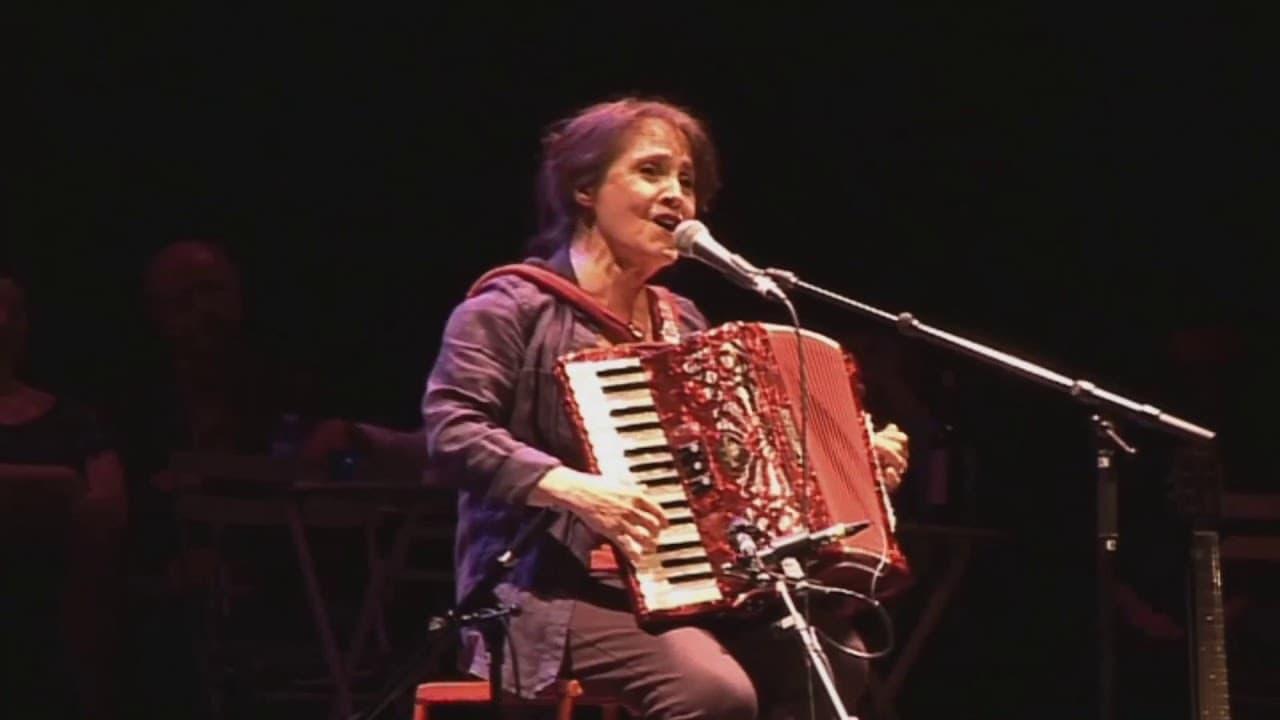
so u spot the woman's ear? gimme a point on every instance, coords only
(585, 199)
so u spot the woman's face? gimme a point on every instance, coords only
(195, 299)
(645, 193)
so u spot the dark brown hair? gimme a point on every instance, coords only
(578, 150)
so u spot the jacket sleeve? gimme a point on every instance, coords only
(470, 393)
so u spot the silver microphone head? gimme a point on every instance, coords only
(686, 234)
(693, 240)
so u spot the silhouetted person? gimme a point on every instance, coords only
(62, 569)
(210, 388)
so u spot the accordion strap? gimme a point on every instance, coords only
(612, 326)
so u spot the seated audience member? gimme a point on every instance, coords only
(208, 387)
(62, 564)
(215, 391)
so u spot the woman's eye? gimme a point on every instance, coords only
(649, 169)
(686, 181)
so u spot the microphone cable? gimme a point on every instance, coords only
(804, 464)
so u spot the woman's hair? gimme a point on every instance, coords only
(578, 150)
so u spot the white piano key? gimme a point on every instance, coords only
(643, 438)
(628, 398)
(678, 513)
(658, 473)
(664, 596)
(688, 553)
(684, 533)
(636, 418)
(613, 381)
(666, 493)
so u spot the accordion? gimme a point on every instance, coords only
(711, 428)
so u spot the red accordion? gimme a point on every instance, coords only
(711, 428)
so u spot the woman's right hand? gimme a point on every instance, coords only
(617, 509)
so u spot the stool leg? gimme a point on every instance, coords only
(564, 708)
(569, 691)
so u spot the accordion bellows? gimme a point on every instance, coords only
(711, 428)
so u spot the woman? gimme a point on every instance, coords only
(615, 181)
(45, 439)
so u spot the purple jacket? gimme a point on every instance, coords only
(495, 423)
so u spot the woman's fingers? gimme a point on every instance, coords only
(893, 460)
(632, 548)
(891, 446)
(892, 479)
(648, 513)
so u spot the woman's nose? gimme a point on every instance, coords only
(673, 195)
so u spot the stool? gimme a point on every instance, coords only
(564, 694)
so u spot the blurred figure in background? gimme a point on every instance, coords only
(212, 389)
(204, 388)
(61, 574)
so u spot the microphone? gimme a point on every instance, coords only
(743, 541)
(805, 541)
(694, 240)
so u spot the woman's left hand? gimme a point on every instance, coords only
(892, 452)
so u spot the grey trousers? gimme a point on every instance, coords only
(723, 670)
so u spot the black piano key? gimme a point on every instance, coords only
(680, 521)
(645, 450)
(681, 562)
(633, 410)
(640, 426)
(661, 482)
(620, 370)
(669, 504)
(655, 465)
(624, 387)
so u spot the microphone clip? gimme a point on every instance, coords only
(746, 540)
(767, 287)
(807, 542)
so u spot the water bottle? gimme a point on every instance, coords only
(288, 437)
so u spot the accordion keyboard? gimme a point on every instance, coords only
(621, 424)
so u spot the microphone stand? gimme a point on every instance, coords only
(792, 572)
(475, 609)
(1107, 440)
(752, 565)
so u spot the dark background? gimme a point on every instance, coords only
(1070, 184)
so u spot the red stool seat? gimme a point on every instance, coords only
(565, 695)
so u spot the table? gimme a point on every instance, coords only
(222, 491)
